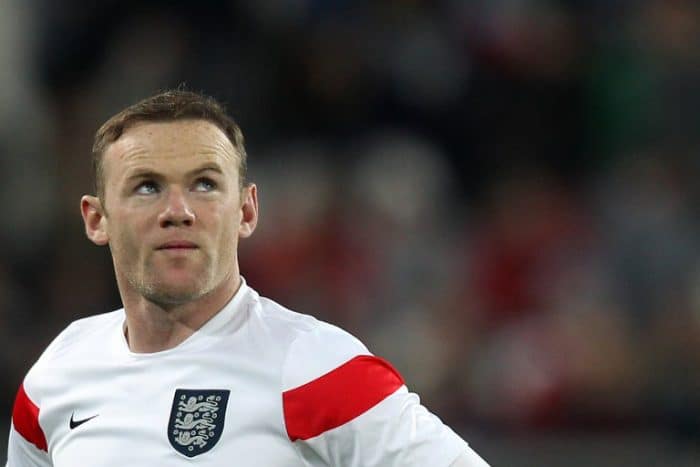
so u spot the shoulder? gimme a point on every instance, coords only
(41, 380)
(313, 347)
(82, 333)
(75, 340)
(328, 376)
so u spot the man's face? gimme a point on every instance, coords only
(173, 210)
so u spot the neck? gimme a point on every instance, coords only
(153, 328)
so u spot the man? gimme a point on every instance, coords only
(197, 368)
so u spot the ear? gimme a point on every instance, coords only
(249, 211)
(95, 219)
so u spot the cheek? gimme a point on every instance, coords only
(228, 234)
(124, 240)
(223, 221)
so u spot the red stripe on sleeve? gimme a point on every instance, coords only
(338, 396)
(25, 418)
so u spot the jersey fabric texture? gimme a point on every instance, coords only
(257, 385)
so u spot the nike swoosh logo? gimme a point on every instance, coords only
(77, 423)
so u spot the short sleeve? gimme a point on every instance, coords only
(346, 407)
(27, 445)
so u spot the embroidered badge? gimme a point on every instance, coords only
(197, 420)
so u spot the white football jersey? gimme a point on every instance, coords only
(257, 385)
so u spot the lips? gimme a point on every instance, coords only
(177, 245)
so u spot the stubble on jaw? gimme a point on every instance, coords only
(167, 296)
(166, 300)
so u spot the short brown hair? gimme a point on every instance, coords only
(176, 104)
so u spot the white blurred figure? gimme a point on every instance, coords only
(24, 156)
(404, 184)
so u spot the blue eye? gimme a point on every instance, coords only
(204, 185)
(146, 188)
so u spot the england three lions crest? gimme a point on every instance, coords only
(197, 420)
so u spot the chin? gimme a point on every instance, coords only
(168, 298)
(173, 293)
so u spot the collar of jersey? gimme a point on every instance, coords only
(229, 318)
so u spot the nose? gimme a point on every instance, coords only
(176, 211)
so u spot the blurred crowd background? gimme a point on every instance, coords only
(499, 196)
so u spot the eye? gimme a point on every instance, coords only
(146, 188)
(204, 185)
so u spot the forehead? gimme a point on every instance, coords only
(165, 146)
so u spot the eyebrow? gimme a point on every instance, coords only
(148, 173)
(206, 168)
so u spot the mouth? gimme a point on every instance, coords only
(177, 245)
